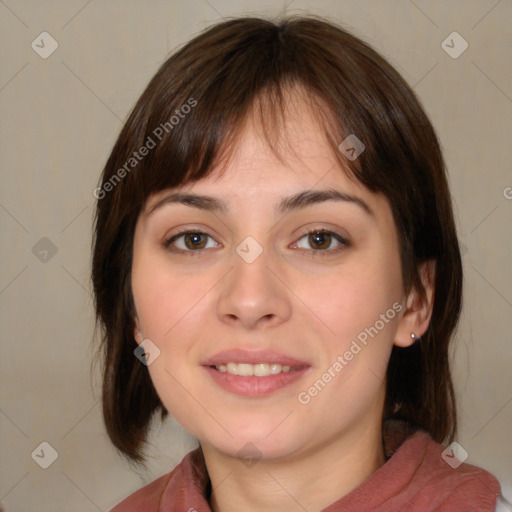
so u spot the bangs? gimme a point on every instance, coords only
(193, 150)
(190, 116)
(203, 139)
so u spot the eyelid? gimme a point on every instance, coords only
(172, 238)
(343, 241)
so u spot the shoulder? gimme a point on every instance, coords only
(185, 483)
(146, 499)
(447, 483)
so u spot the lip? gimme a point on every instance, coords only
(253, 357)
(254, 386)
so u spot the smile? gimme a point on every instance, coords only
(253, 370)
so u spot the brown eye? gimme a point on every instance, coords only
(195, 241)
(190, 242)
(320, 240)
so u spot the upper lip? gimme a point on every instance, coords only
(253, 357)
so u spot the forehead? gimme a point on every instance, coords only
(264, 187)
(269, 158)
(262, 173)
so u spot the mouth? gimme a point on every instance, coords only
(254, 373)
(255, 370)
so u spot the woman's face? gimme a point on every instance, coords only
(313, 317)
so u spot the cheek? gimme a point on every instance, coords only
(170, 306)
(162, 295)
(356, 302)
(354, 297)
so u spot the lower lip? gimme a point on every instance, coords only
(254, 386)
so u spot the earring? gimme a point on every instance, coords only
(414, 337)
(140, 334)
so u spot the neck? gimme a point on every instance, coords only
(312, 480)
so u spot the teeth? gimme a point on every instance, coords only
(245, 370)
(261, 370)
(232, 368)
(275, 368)
(256, 370)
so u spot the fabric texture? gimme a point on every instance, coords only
(415, 478)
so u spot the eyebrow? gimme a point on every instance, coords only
(295, 202)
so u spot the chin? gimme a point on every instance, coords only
(264, 442)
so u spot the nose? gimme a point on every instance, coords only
(252, 296)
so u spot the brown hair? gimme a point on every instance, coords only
(221, 74)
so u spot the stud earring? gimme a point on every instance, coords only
(414, 337)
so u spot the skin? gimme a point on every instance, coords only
(308, 305)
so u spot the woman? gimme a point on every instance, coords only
(276, 265)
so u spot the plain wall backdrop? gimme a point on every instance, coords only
(62, 112)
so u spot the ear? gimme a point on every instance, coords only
(137, 333)
(418, 311)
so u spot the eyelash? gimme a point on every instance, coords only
(314, 253)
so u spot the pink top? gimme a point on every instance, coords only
(414, 478)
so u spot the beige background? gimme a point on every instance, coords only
(60, 118)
